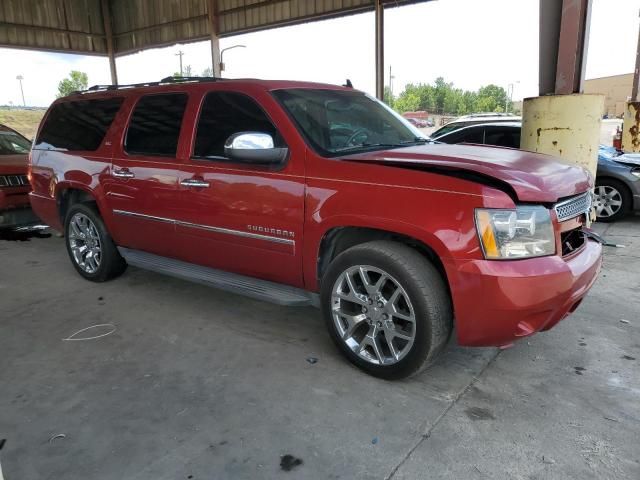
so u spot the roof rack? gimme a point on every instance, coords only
(164, 81)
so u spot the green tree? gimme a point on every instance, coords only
(75, 82)
(443, 98)
(207, 72)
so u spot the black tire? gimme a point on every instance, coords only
(428, 294)
(111, 262)
(625, 195)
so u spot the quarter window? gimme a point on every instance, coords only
(79, 125)
(226, 113)
(154, 128)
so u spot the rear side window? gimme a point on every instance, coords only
(226, 113)
(154, 128)
(79, 125)
(508, 137)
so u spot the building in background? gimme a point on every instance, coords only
(616, 89)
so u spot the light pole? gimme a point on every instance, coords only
(222, 55)
(20, 78)
(509, 99)
(180, 54)
(391, 77)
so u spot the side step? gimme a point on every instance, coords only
(230, 282)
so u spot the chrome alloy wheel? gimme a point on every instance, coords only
(373, 315)
(608, 201)
(84, 242)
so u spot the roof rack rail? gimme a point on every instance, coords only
(165, 80)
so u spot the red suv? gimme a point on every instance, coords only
(302, 193)
(14, 183)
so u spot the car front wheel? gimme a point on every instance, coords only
(387, 308)
(612, 200)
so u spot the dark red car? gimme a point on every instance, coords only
(303, 193)
(15, 210)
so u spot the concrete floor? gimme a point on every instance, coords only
(199, 384)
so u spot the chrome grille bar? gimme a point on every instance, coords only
(573, 207)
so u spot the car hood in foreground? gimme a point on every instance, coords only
(532, 177)
(13, 164)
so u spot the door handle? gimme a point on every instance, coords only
(194, 183)
(123, 173)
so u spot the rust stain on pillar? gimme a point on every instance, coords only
(631, 128)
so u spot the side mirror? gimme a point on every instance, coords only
(253, 147)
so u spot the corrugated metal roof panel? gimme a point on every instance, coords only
(67, 25)
(78, 26)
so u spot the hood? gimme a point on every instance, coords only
(628, 159)
(532, 177)
(13, 164)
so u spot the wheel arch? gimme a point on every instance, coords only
(68, 194)
(338, 239)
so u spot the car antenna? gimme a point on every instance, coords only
(348, 84)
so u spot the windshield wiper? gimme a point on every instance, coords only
(367, 145)
(422, 140)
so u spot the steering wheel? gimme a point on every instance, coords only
(355, 135)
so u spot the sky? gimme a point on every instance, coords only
(468, 42)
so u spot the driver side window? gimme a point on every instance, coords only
(226, 113)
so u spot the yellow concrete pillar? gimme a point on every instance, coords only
(565, 126)
(631, 128)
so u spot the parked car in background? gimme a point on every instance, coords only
(473, 119)
(310, 194)
(417, 122)
(15, 210)
(617, 180)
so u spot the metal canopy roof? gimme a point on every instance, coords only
(85, 26)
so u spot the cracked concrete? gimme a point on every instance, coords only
(196, 383)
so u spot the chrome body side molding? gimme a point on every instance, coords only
(210, 228)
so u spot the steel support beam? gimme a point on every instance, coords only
(106, 18)
(379, 49)
(636, 74)
(564, 34)
(212, 11)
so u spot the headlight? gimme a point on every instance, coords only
(520, 233)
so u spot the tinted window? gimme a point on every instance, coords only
(154, 128)
(226, 113)
(78, 125)
(12, 143)
(468, 135)
(472, 135)
(503, 137)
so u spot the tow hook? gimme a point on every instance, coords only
(595, 236)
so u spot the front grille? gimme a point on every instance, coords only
(572, 241)
(573, 207)
(14, 181)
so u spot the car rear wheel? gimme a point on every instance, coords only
(90, 247)
(612, 200)
(387, 308)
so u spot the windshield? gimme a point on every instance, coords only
(336, 122)
(12, 143)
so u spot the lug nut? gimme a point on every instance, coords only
(364, 309)
(385, 316)
(380, 304)
(370, 302)
(380, 324)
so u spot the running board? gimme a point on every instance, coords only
(230, 282)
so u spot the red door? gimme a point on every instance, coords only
(241, 217)
(142, 190)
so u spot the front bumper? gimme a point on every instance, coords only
(17, 217)
(497, 302)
